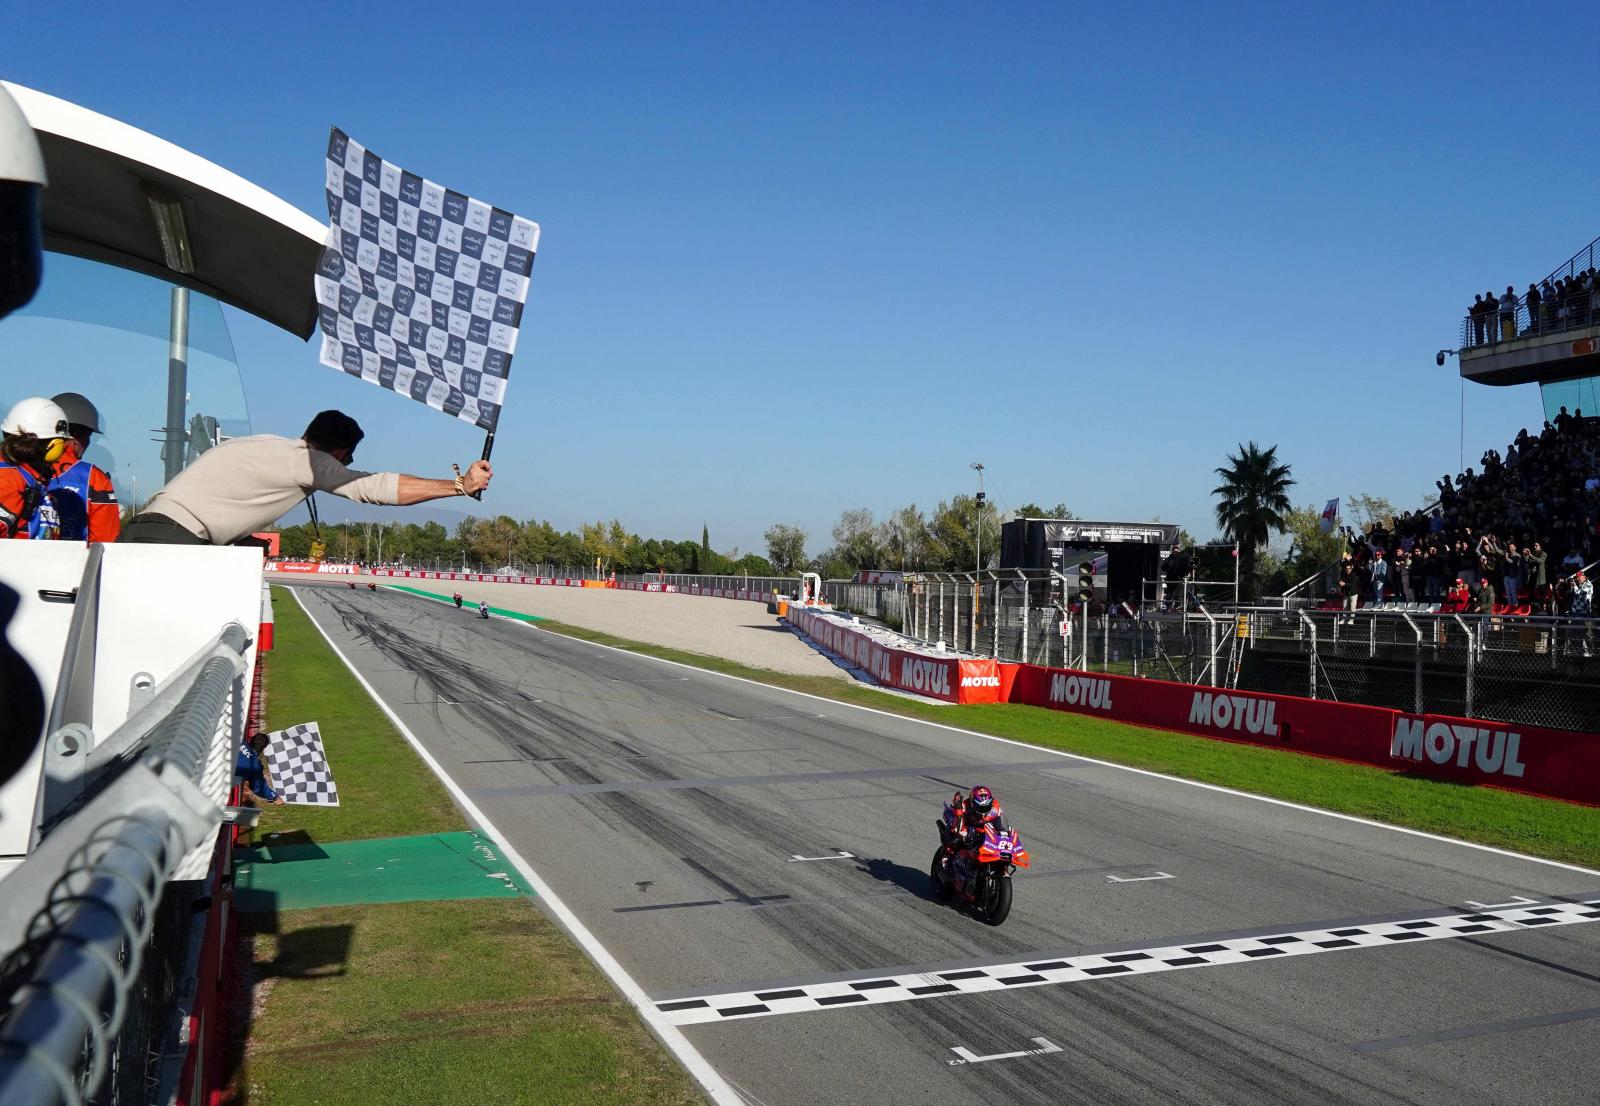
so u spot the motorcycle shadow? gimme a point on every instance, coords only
(914, 880)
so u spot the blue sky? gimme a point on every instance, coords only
(801, 259)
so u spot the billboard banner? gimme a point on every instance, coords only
(1557, 763)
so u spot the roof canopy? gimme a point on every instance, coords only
(127, 198)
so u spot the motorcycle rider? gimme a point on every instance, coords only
(483, 608)
(965, 819)
(457, 597)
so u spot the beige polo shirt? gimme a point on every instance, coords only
(247, 483)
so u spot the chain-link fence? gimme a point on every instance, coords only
(1534, 671)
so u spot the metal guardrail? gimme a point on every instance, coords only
(787, 585)
(77, 916)
(1554, 314)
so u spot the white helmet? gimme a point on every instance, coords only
(43, 418)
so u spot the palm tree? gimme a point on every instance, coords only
(1252, 501)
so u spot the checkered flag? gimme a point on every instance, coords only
(420, 289)
(299, 767)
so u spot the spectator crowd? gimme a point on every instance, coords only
(1551, 306)
(1513, 538)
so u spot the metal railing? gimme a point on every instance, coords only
(1532, 670)
(1541, 671)
(95, 938)
(1554, 314)
(766, 585)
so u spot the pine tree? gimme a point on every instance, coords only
(705, 541)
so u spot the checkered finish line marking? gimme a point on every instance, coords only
(1080, 969)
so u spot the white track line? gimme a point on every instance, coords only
(670, 1035)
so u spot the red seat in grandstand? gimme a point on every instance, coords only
(1523, 610)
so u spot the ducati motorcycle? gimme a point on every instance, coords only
(979, 877)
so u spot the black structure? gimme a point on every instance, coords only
(1133, 549)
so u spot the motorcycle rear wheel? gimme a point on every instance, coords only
(996, 901)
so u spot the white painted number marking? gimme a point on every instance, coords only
(967, 1057)
(1516, 900)
(1139, 879)
(839, 854)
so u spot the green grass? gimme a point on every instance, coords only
(428, 1003)
(1541, 827)
(441, 1003)
(384, 788)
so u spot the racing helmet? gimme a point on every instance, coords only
(982, 799)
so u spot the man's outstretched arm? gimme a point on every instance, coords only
(420, 489)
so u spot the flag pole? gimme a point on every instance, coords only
(488, 448)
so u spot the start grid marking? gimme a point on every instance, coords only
(1076, 969)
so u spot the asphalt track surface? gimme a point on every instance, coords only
(667, 807)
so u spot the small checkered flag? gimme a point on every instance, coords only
(299, 767)
(420, 289)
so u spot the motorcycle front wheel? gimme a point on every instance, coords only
(936, 881)
(994, 902)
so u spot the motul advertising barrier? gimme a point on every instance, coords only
(952, 679)
(1558, 763)
(311, 566)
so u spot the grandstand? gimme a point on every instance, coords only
(1548, 335)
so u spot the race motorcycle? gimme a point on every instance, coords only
(980, 877)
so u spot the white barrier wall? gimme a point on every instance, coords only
(159, 606)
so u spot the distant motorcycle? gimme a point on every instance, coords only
(372, 587)
(457, 598)
(483, 610)
(981, 877)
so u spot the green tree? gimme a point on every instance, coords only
(786, 547)
(954, 531)
(1309, 548)
(430, 543)
(1252, 500)
(903, 538)
(705, 539)
(1033, 510)
(753, 564)
(855, 539)
(1367, 511)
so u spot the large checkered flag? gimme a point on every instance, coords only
(420, 289)
(299, 767)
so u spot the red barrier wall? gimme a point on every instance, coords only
(310, 566)
(952, 679)
(1557, 763)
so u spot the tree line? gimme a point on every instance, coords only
(505, 541)
(959, 535)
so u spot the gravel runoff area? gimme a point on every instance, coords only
(736, 629)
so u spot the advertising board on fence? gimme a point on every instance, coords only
(311, 567)
(1558, 763)
(952, 679)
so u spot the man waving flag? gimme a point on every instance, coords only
(420, 289)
